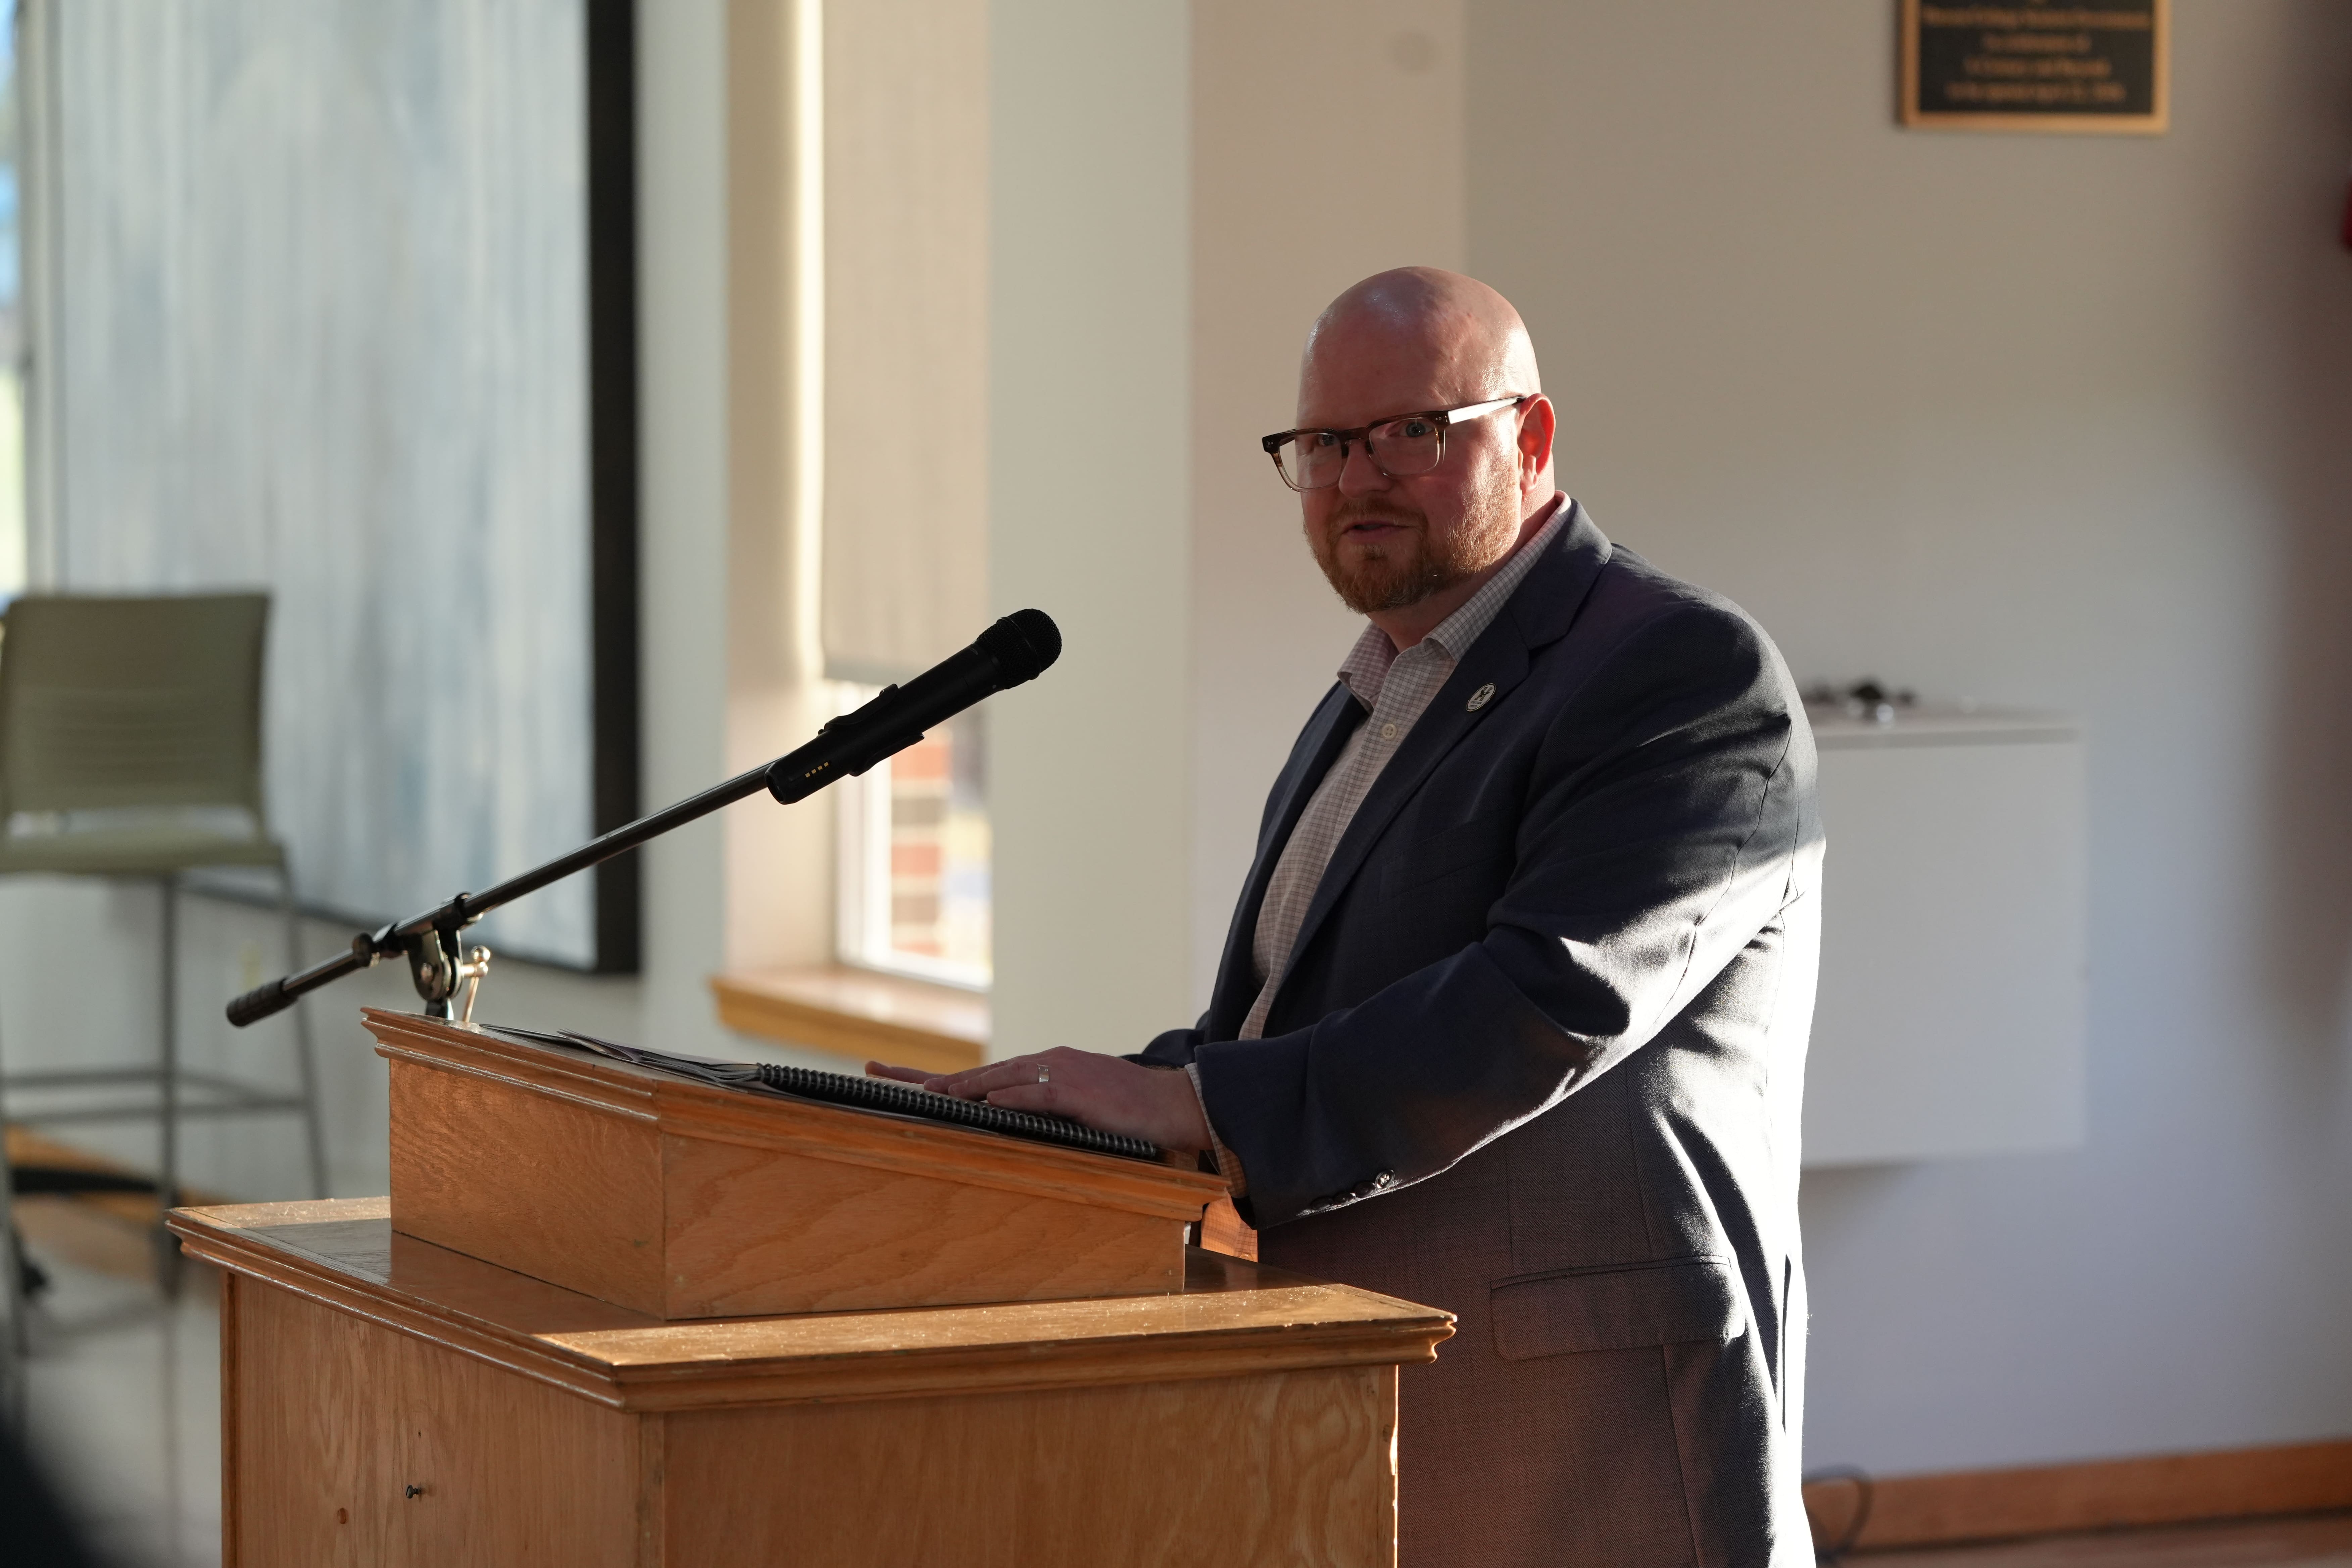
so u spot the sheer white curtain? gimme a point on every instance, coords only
(906, 449)
(321, 325)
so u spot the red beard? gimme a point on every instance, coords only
(1404, 565)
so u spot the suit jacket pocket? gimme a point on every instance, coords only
(1566, 1312)
(1482, 841)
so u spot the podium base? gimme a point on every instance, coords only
(389, 1401)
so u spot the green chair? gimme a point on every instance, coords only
(131, 747)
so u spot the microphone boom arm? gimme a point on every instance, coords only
(1015, 650)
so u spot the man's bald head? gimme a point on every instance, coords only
(1453, 337)
(1406, 549)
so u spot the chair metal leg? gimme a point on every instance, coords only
(305, 1059)
(167, 1183)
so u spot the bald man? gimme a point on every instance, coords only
(1512, 1016)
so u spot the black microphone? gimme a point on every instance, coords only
(1019, 648)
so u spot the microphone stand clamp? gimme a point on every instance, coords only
(439, 964)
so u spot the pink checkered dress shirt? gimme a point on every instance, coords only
(1396, 688)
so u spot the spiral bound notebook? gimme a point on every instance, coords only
(874, 1094)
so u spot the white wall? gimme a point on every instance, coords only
(776, 864)
(682, 338)
(1174, 202)
(2059, 422)
(1088, 517)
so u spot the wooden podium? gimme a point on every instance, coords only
(608, 1317)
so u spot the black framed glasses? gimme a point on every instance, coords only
(1399, 445)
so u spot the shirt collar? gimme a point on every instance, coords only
(1365, 670)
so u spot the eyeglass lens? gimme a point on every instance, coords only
(1400, 446)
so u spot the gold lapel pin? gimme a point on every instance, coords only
(1480, 698)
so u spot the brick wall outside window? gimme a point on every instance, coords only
(915, 861)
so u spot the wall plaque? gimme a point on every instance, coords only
(2037, 65)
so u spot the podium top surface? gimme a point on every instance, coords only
(1232, 1318)
(836, 1132)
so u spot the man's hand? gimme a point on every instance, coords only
(1106, 1093)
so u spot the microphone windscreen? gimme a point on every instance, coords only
(1023, 644)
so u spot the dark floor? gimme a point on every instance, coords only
(122, 1397)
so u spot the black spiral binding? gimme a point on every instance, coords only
(881, 1094)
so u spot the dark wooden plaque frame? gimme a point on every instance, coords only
(2069, 121)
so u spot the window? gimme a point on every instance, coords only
(313, 310)
(914, 879)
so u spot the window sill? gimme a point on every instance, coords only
(857, 1014)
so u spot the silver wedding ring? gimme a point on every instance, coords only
(1042, 1073)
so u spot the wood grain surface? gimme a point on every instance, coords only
(685, 1201)
(1232, 1318)
(757, 1231)
(2301, 1540)
(1291, 1468)
(857, 1137)
(337, 1420)
(2164, 1488)
(1249, 1418)
(232, 1378)
(540, 1182)
(362, 1444)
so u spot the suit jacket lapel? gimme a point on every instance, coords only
(1540, 612)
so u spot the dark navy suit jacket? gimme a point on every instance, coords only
(1537, 1059)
